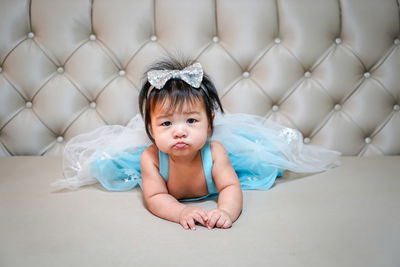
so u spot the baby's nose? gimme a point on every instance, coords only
(180, 131)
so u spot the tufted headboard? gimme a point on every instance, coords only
(330, 68)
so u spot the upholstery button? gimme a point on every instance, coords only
(338, 107)
(397, 42)
(338, 41)
(275, 108)
(28, 104)
(121, 73)
(307, 140)
(307, 74)
(60, 139)
(396, 107)
(215, 39)
(92, 104)
(368, 140)
(92, 37)
(367, 75)
(277, 40)
(153, 38)
(31, 35)
(60, 70)
(246, 74)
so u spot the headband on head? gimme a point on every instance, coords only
(192, 75)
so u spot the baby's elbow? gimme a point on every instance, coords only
(239, 195)
(151, 201)
(237, 188)
(150, 205)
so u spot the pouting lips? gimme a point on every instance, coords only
(180, 145)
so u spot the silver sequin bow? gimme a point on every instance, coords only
(192, 75)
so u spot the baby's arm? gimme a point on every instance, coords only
(159, 201)
(230, 198)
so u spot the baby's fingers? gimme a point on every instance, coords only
(203, 215)
(184, 224)
(224, 222)
(187, 223)
(227, 224)
(221, 221)
(191, 223)
(198, 218)
(214, 217)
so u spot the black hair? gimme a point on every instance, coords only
(177, 92)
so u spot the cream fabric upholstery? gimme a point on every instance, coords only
(328, 68)
(347, 217)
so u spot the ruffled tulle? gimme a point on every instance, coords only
(259, 150)
(113, 145)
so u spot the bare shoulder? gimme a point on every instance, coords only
(222, 171)
(150, 156)
(218, 151)
(216, 144)
(152, 182)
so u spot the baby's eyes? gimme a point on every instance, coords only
(166, 123)
(169, 123)
(191, 120)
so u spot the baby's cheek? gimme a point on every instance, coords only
(161, 143)
(201, 139)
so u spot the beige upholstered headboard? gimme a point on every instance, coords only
(330, 68)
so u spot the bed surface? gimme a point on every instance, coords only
(348, 216)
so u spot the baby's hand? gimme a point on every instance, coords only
(218, 218)
(190, 215)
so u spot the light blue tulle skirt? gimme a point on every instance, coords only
(259, 151)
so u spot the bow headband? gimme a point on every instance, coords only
(192, 75)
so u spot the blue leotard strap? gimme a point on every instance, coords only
(164, 164)
(206, 159)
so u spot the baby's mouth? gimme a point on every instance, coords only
(180, 145)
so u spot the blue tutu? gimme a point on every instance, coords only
(259, 151)
(120, 172)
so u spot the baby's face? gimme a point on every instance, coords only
(180, 132)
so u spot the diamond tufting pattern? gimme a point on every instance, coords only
(329, 68)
